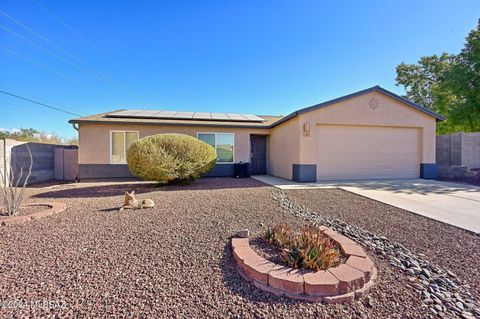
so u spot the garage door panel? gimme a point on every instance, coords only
(341, 157)
(367, 174)
(361, 152)
(344, 165)
(361, 137)
(378, 157)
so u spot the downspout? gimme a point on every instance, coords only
(75, 126)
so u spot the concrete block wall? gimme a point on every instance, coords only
(14, 155)
(42, 156)
(6, 146)
(471, 150)
(443, 143)
(457, 153)
(456, 148)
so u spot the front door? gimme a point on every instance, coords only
(258, 154)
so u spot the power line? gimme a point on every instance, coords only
(13, 108)
(58, 73)
(47, 51)
(36, 97)
(39, 46)
(94, 71)
(39, 103)
(84, 39)
(70, 28)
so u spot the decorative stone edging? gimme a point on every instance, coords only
(55, 207)
(343, 283)
(440, 290)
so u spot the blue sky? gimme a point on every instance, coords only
(262, 57)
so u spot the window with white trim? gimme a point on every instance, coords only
(120, 141)
(223, 144)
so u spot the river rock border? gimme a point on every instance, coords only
(440, 289)
(55, 207)
(341, 284)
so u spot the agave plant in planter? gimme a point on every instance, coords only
(305, 248)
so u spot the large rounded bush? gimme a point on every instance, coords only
(166, 158)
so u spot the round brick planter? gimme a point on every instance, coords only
(343, 283)
(54, 207)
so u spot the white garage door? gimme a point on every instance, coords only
(367, 152)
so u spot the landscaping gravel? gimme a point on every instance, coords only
(173, 260)
(444, 245)
(23, 210)
(440, 289)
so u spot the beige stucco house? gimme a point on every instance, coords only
(370, 134)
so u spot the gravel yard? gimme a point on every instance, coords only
(447, 246)
(175, 261)
(26, 210)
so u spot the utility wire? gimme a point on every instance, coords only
(38, 98)
(58, 73)
(39, 103)
(96, 72)
(40, 47)
(13, 108)
(47, 51)
(70, 28)
(84, 39)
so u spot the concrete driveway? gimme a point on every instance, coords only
(451, 203)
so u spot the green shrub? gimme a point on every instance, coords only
(306, 248)
(170, 158)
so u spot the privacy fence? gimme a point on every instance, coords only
(458, 153)
(50, 161)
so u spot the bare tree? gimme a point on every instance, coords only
(12, 189)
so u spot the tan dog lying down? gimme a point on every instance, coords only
(132, 203)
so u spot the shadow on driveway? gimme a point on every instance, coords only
(413, 186)
(399, 186)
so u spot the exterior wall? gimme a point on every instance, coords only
(284, 148)
(290, 144)
(94, 139)
(94, 147)
(372, 109)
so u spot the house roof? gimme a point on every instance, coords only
(376, 88)
(269, 120)
(104, 118)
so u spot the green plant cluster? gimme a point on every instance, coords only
(170, 158)
(448, 84)
(305, 248)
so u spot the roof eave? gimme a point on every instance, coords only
(79, 121)
(411, 103)
(377, 88)
(283, 119)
